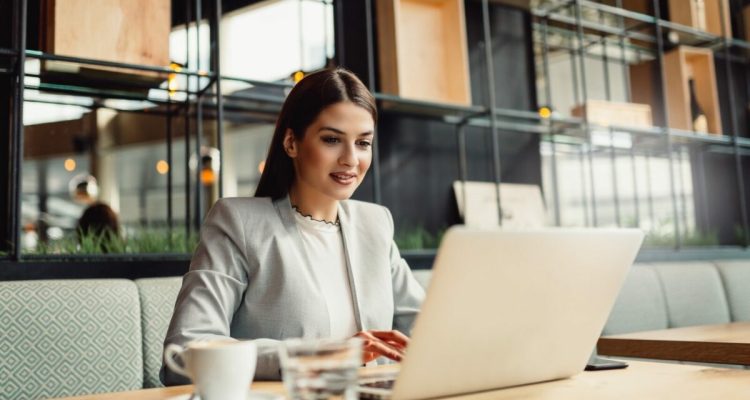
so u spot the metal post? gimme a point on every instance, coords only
(338, 48)
(635, 184)
(584, 194)
(662, 78)
(198, 217)
(704, 196)
(493, 104)
(551, 133)
(376, 185)
(325, 32)
(577, 100)
(623, 55)
(188, 80)
(169, 168)
(628, 97)
(649, 192)
(683, 196)
(216, 46)
(612, 149)
(582, 53)
(17, 127)
(462, 164)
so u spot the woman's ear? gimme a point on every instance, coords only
(290, 145)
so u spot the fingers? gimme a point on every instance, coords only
(368, 356)
(374, 348)
(383, 349)
(390, 344)
(392, 336)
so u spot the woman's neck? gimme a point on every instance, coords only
(313, 204)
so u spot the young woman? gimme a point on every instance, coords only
(299, 259)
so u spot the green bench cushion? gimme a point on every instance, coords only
(158, 296)
(736, 279)
(694, 292)
(67, 338)
(640, 306)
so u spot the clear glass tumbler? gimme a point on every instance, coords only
(314, 369)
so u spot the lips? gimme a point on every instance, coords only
(344, 178)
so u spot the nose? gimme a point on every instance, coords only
(349, 156)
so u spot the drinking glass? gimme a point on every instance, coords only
(316, 369)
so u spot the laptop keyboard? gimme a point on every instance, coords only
(376, 389)
(384, 384)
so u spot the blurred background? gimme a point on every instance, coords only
(612, 113)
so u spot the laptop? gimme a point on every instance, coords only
(507, 308)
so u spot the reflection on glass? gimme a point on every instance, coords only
(125, 167)
(89, 148)
(644, 196)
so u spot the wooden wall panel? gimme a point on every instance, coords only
(130, 31)
(422, 50)
(680, 64)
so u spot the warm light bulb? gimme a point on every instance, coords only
(172, 84)
(172, 79)
(70, 165)
(208, 177)
(262, 166)
(162, 167)
(298, 76)
(545, 112)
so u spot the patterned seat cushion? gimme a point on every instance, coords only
(158, 296)
(66, 338)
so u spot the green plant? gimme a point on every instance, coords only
(146, 241)
(629, 221)
(418, 238)
(699, 238)
(696, 238)
(662, 235)
(741, 235)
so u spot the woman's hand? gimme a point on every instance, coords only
(391, 344)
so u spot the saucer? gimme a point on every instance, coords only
(251, 395)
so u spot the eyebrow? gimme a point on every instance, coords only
(340, 132)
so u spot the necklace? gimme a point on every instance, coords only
(334, 223)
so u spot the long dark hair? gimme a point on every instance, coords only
(307, 99)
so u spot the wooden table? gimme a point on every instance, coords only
(723, 343)
(642, 380)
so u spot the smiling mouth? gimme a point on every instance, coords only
(343, 178)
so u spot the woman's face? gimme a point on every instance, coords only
(333, 156)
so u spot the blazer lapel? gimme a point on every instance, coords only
(286, 213)
(350, 253)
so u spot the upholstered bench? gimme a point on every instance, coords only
(158, 296)
(676, 294)
(69, 337)
(72, 337)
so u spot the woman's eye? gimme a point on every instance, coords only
(365, 143)
(330, 140)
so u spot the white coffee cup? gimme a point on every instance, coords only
(220, 370)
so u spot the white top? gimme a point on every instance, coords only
(325, 249)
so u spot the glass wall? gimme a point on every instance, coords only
(152, 155)
(157, 156)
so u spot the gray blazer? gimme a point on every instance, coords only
(250, 279)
